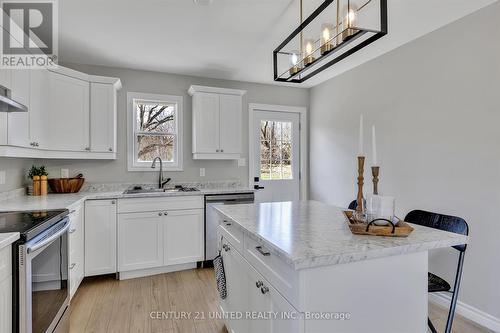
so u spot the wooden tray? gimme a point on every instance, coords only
(402, 228)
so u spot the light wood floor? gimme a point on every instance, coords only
(103, 304)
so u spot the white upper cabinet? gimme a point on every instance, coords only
(217, 122)
(38, 108)
(19, 121)
(102, 117)
(68, 113)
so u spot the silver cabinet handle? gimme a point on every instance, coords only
(113, 202)
(110, 149)
(217, 150)
(71, 231)
(259, 284)
(165, 213)
(227, 222)
(72, 266)
(222, 150)
(36, 144)
(160, 214)
(264, 290)
(262, 251)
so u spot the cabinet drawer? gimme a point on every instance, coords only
(281, 275)
(232, 233)
(152, 204)
(5, 262)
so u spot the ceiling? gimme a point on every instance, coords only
(229, 39)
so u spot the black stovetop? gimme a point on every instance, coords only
(30, 223)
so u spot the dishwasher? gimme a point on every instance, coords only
(211, 219)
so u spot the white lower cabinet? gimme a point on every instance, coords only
(140, 241)
(100, 237)
(160, 233)
(183, 236)
(6, 289)
(76, 249)
(263, 308)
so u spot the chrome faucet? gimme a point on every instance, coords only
(161, 181)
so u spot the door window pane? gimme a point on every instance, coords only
(276, 150)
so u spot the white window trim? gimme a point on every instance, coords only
(131, 160)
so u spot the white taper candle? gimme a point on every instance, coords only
(374, 146)
(360, 144)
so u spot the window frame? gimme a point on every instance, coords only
(132, 162)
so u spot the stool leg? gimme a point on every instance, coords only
(454, 297)
(431, 326)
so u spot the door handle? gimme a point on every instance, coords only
(257, 187)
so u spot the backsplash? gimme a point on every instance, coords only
(113, 187)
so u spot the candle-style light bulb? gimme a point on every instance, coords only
(361, 138)
(294, 62)
(325, 40)
(309, 51)
(374, 146)
(350, 22)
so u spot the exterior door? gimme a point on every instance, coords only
(276, 166)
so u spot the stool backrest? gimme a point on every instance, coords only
(353, 205)
(441, 222)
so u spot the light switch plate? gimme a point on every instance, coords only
(202, 172)
(2, 177)
(242, 162)
(64, 173)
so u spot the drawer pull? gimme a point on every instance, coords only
(72, 266)
(262, 251)
(160, 214)
(259, 284)
(227, 223)
(264, 290)
(71, 231)
(226, 247)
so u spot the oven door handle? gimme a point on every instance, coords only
(50, 239)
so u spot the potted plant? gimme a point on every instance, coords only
(39, 177)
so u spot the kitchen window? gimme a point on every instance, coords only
(154, 130)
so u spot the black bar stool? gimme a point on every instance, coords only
(435, 283)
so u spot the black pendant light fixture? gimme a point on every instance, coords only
(334, 31)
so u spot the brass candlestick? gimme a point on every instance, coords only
(361, 170)
(375, 172)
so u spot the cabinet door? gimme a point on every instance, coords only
(6, 304)
(183, 236)
(76, 249)
(239, 288)
(140, 241)
(68, 113)
(102, 117)
(230, 124)
(39, 108)
(205, 123)
(18, 122)
(100, 237)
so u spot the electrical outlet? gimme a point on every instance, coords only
(202, 172)
(64, 173)
(242, 162)
(2, 177)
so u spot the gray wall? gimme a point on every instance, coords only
(16, 170)
(436, 105)
(160, 83)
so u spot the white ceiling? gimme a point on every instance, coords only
(230, 39)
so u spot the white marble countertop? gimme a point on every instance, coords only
(311, 234)
(8, 238)
(69, 201)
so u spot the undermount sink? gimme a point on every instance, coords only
(138, 189)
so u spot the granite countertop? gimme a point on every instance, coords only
(69, 201)
(310, 234)
(8, 238)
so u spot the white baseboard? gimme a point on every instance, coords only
(480, 317)
(154, 271)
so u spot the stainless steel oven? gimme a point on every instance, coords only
(42, 283)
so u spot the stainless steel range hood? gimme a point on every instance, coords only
(7, 104)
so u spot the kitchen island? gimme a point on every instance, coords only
(296, 267)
